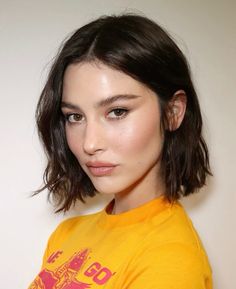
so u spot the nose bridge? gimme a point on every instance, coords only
(93, 136)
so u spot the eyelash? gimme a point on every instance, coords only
(124, 110)
(69, 115)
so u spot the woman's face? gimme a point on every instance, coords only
(112, 128)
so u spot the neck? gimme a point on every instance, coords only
(135, 198)
(148, 187)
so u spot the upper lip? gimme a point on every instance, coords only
(99, 164)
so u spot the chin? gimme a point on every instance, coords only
(111, 186)
(107, 185)
(107, 190)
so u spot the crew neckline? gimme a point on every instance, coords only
(136, 215)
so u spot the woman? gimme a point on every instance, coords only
(119, 115)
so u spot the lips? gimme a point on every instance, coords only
(100, 168)
(99, 164)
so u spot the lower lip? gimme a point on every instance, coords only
(101, 171)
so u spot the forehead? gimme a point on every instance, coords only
(97, 80)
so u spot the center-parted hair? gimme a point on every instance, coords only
(140, 48)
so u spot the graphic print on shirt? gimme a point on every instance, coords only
(65, 276)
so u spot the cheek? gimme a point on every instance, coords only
(142, 138)
(73, 142)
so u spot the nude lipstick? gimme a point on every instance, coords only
(99, 169)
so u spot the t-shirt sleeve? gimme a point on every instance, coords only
(173, 266)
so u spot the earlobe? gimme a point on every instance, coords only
(176, 110)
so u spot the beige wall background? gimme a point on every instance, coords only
(30, 33)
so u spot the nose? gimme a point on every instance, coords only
(93, 141)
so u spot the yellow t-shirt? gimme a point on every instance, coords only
(153, 246)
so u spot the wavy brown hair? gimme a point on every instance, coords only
(143, 50)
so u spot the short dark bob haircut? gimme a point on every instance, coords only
(140, 48)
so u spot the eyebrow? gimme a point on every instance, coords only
(103, 102)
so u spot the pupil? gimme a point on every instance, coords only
(76, 117)
(118, 111)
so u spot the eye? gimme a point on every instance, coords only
(73, 117)
(118, 113)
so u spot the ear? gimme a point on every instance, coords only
(176, 110)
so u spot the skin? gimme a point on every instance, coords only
(126, 132)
